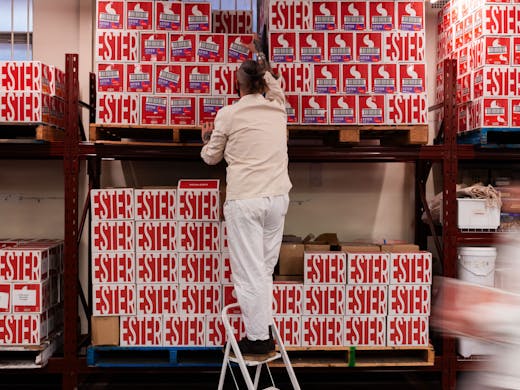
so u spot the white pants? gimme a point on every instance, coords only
(255, 230)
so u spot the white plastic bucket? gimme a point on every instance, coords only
(477, 265)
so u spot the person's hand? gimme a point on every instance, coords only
(206, 130)
(255, 44)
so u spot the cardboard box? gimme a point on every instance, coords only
(183, 330)
(155, 236)
(238, 50)
(141, 331)
(200, 298)
(407, 331)
(317, 247)
(413, 268)
(112, 204)
(208, 107)
(463, 88)
(197, 16)
(110, 77)
(168, 16)
(367, 299)
(198, 200)
(490, 81)
(114, 299)
(369, 47)
(409, 299)
(139, 15)
(110, 14)
(314, 109)
(139, 77)
(399, 248)
(384, 78)
(403, 46)
(354, 15)
(154, 110)
(157, 299)
(229, 296)
(406, 109)
(117, 46)
(287, 298)
(291, 259)
(492, 50)
(499, 19)
(467, 33)
(154, 47)
(462, 119)
(5, 298)
(23, 265)
(155, 204)
(211, 48)
(225, 271)
(325, 15)
(368, 268)
(23, 329)
(198, 236)
(157, 267)
(372, 109)
(290, 330)
(215, 332)
(340, 47)
(197, 79)
(295, 78)
(381, 15)
(322, 331)
(515, 50)
(515, 112)
(327, 78)
(105, 330)
(199, 267)
(31, 297)
(283, 46)
(463, 60)
(459, 33)
(232, 21)
(182, 47)
(324, 299)
(356, 79)
(365, 331)
(183, 110)
(343, 109)
(325, 267)
(290, 15)
(113, 267)
(410, 15)
(490, 112)
(223, 78)
(112, 236)
(118, 108)
(412, 78)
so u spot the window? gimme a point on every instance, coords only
(16, 26)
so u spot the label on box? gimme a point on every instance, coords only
(324, 299)
(225, 272)
(140, 331)
(463, 60)
(110, 77)
(183, 47)
(365, 331)
(494, 50)
(366, 299)
(407, 109)
(117, 46)
(412, 78)
(322, 331)
(356, 78)
(414, 268)
(229, 296)
(292, 108)
(491, 81)
(384, 78)
(110, 14)
(168, 15)
(238, 50)
(157, 267)
(26, 329)
(409, 299)
(515, 112)
(467, 33)
(515, 50)
(343, 110)
(496, 112)
(209, 106)
(118, 108)
(155, 204)
(232, 22)
(368, 47)
(514, 81)
(381, 15)
(114, 299)
(499, 19)
(198, 236)
(463, 88)
(211, 48)
(410, 15)
(407, 330)
(197, 16)
(197, 79)
(183, 330)
(223, 78)
(112, 236)
(295, 78)
(153, 47)
(325, 15)
(154, 110)
(287, 15)
(139, 15)
(287, 298)
(198, 200)
(30, 297)
(290, 330)
(283, 46)
(372, 109)
(139, 77)
(314, 109)
(353, 15)
(157, 298)
(156, 236)
(340, 46)
(112, 204)
(326, 267)
(113, 267)
(367, 268)
(459, 29)
(327, 78)
(182, 110)
(24, 106)
(24, 265)
(200, 298)
(404, 47)
(199, 267)
(5, 298)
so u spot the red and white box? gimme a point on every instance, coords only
(114, 46)
(290, 330)
(157, 267)
(295, 78)
(324, 267)
(5, 298)
(327, 78)
(514, 81)
(515, 112)
(156, 299)
(232, 21)
(111, 77)
(287, 15)
(118, 108)
(492, 81)
(412, 268)
(366, 299)
(340, 47)
(183, 330)
(139, 78)
(113, 236)
(216, 333)
(462, 118)
(199, 267)
(168, 16)
(412, 78)
(110, 15)
(463, 60)
(139, 15)
(197, 16)
(223, 79)
(324, 299)
(224, 247)
(183, 110)
(24, 265)
(31, 297)
(287, 298)
(197, 79)
(325, 15)
(463, 88)
(283, 46)
(238, 50)
(407, 330)
(407, 109)
(410, 15)
(22, 329)
(198, 200)
(200, 298)
(409, 299)
(154, 110)
(112, 299)
(489, 112)
(384, 78)
(112, 204)
(369, 47)
(140, 331)
(372, 110)
(208, 107)
(343, 109)
(225, 272)
(356, 78)
(403, 46)
(381, 15)
(499, 19)
(113, 267)
(292, 108)
(321, 331)
(467, 33)
(155, 204)
(229, 296)
(182, 47)
(515, 50)
(198, 236)
(211, 48)
(459, 34)
(314, 109)
(368, 268)
(154, 47)
(354, 15)
(155, 236)
(492, 50)
(361, 331)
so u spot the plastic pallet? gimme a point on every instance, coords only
(492, 137)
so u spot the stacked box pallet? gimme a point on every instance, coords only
(31, 290)
(350, 62)
(160, 62)
(483, 37)
(32, 92)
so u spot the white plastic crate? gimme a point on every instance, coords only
(477, 214)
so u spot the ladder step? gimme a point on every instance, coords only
(251, 363)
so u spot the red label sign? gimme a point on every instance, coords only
(155, 236)
(211, 48)
(110, 14)
(197, 17)
(324, 299)
(114, 299)
(411, 268)
(118, 108)
(283, 47)
(154, 109)
(198, 202)
(139, 15)
(197, 79)
(24, 106)
(199, 268)
(112, 204)
(340, 46)
(295, 77)
(366, 299)
(183, 47)
(353, 15)
(110, 77)
(290, 330)
(199, 237)
(407, 109)
(183, 330)
(293, 15)
(21, 329)
(408, 299)
(223, 78)
(183, 110)
(365, 331)
(381, 15)
(155, 204)
(31, 297)
(322, 331)
(139, 77)
(200, 298)
(140, 331)
(232, 22)
(367, 268)
(154, 47)
(168, 15)
(114, 46)
(23, 265)
(325, 15)
(287, 298)
(407, 330)
(404, 47)
(157, 298)
(157, 267)
(327, 267)
(113, 267)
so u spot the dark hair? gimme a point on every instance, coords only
(251, 77)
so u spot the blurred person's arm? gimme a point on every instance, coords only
(214, 138)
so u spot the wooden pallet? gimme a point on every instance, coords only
(29, 357)
(13, 132)
(359, 356)
(144, 134)
(492, 137)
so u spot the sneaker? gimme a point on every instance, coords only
(257, 348)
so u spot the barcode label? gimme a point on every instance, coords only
(343, 112)
(213, 101)
(108, 74)
(356, 82)
(283, 51)
(495, 111)
(209, 46)
(290, 111)
(372, 111)
(369, 50)
(138, 14)
(180, 103)
(516, 109)
(181, 44)
(311, 50)
(326, 82)
(175, 18)
(517, 47)
(192, 19)
(340, 51)
(381, 19)
(324, 19)
(169, 76)
(479, 79)
(384, 82)
(199, 77)
(497, 49)
(155, 101)
(412, 82)
(353, 19)
(239, 48)
(153, 43)
(314, 112)
(411, 20)
(109, 17)
(139, 77)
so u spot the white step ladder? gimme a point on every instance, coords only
(244, 363)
